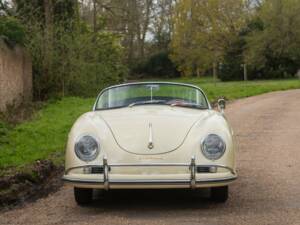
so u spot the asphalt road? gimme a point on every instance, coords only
(267, 129)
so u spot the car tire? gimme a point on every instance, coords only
(83, 196)
(219, 194)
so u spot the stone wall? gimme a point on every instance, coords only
(15, 75)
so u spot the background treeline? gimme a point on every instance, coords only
(80, 46)
(262, 37)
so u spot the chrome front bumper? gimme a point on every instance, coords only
(105, 181)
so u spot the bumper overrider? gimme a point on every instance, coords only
(198, 176)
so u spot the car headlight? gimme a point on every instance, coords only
(213, 147)
(87, 148)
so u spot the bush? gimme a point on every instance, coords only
(157, 65)
(264, 62)
(3, 132)
(81, 61)
(11, 30)
(68, 56)
(99, 64)
(232, 69)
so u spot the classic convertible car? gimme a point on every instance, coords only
(151, 135)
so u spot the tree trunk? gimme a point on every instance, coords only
(131, 9)
(145, 27)
(48, 44)
(198, 72)
(245, 72)
(95, 15)
(215, 71)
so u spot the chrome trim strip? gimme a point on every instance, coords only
(193, 172)
(192, 182)
(152, 165)
(67, 171)
(149, 164)
(105, 174)
(152, 82)
(150, 144)
(150, 182)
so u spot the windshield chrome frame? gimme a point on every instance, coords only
(145, 83)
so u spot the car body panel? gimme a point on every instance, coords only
(161, 121)
(123, 135)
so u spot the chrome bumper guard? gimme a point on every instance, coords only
(192, 167)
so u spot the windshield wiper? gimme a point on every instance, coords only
(188, 104)
(147, 102)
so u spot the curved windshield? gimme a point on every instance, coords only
(132, 95)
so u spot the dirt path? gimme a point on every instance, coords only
(267, 129)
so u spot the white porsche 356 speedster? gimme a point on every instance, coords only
(151, 135)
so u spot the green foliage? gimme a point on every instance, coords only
(232, 65)
(46, 134)
(86, 70)
(4, 129)
(202, 32)
(231, 68)
(230, 34)
(273, 50)
(158, 65)
(11, 29)
(69, 58)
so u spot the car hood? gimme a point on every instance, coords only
(135, 129)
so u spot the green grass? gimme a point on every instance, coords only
(240, 89)
(45, 135)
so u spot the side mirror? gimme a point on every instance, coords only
(221, 105)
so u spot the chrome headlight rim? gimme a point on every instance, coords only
(80, 155)
(210, 156)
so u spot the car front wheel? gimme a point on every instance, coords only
(219, 194)
(83, 196)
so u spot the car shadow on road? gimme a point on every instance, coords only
(153, 199)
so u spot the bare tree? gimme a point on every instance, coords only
(48, 37)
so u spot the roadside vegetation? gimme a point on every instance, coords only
(240, 89)
(44, 135)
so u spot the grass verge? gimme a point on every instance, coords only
(240, 89)
(43, 137)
